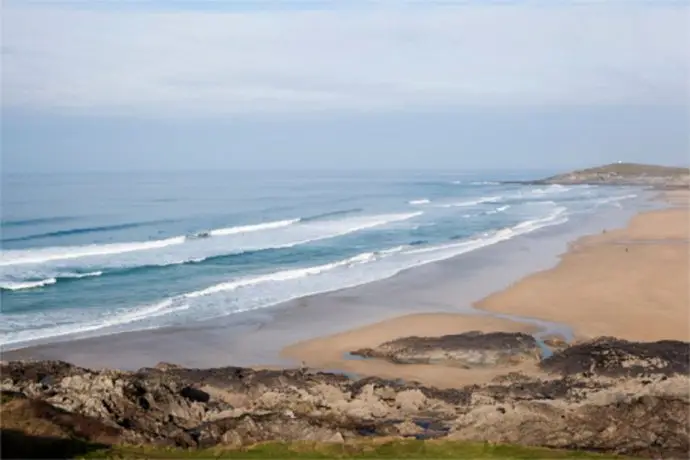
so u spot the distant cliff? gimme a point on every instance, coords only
(625, 174)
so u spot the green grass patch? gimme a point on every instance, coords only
(7, 396)
(412, 449)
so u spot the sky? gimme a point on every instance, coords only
(160, 85)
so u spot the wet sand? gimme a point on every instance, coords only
(631, 283)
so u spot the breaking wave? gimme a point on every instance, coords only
(482, 200)
(24, 285)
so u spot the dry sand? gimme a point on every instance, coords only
(632, 283)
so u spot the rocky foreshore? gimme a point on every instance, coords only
(605, 395)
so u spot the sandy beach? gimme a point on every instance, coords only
(631, 283)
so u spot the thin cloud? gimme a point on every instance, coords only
(189, 63)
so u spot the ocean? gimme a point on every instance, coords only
(96, 254)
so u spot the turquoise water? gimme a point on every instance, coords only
(93, 254)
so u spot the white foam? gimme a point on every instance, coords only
(240, 239)
(274, 291)
(377, 221)
(21, 285)
(11, 285)
(43, 255)
(482, 200)
(499, 209)
(555, 188)
(23, 333)
(615, 199)
(485, 182)
(284, 275)
(489, 238)
(555, 218)
(416, 202)
(80, 275)
(37, 256)
(29, 332)
(252, 228)
(391, 250)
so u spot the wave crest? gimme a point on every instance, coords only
(482, 200)
(23, 285)
(252, 228)
(33, 284)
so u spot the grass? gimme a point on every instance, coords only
(411, 449)
(633, 169)
(7, 396)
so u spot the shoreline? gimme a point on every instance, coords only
(652, 241)
(258, 337)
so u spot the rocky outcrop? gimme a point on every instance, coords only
(614, 357)
(468, 350)
(624, 174)
(579, 406)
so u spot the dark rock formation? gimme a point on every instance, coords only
(612, 406)
(471, 349)
(614, 357)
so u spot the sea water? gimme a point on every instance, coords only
(95, 254)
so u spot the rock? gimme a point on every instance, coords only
(163, 366)
(365, 405)
(386, 393)
(467, 350)
(614, 357)
(410, 400)
(30, 419)
(613, 428)
(408, 428)
(337, 438)
(329, 394)
(237, 400)
(231, 438)
(605, 395)
(270, 400)
(195, 394)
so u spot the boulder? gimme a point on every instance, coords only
(615, 357)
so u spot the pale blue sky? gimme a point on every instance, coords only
(227, 85)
